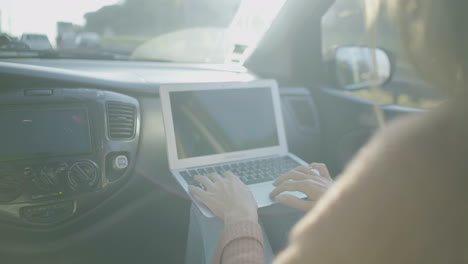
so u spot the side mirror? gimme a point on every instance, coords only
(353, 67)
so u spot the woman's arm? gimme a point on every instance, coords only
(230, 200)
(241, 242)
(397, 202)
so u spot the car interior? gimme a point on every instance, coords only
(84, 174)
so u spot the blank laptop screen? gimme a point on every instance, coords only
(208, 122)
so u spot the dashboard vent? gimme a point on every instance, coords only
(121, 120)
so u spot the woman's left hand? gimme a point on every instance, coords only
(227, 197)
(313, 180)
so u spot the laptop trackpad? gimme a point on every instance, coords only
(261, 193)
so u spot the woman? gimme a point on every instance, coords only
(403, 199)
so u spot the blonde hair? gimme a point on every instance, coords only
(434, 34)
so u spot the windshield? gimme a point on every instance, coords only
(198, 31)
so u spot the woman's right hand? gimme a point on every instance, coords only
(227, 197)
(303, 179)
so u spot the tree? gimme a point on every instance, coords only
(154, 17)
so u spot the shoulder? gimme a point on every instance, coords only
(401, 191)
(430, 142)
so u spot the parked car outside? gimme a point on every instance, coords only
(9, 43)
(36, 41)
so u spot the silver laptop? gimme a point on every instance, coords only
(218, 127)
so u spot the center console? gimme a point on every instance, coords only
(62, 151)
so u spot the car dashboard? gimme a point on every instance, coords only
(63, 145)
(98, 126)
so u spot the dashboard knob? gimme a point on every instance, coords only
(82, 175)
(47, 177)
(11, 183)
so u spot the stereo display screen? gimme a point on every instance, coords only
(49, 132)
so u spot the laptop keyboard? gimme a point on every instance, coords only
(249, 172)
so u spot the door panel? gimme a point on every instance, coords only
(347, 123)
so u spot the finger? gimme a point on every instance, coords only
(300, 186)
(214, 177)
(229, 175)
(322, 168)
(319, 180)
(291, 175)
(205, 181)
(294, 202)
(303, 169)
(308, 170)
(315, 190)
(197, 191)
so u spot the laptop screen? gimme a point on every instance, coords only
(209, 122)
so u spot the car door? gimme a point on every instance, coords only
(348, 122)
(349, 115)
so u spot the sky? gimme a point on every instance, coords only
(40, 16)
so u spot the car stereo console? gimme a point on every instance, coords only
(61, 150)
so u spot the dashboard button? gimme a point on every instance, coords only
(120, 162)
(49, 213)
(11, 183)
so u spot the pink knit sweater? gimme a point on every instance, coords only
(402, 200)
(241, 242)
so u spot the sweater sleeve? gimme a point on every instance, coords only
(241, 242)
(399, 201)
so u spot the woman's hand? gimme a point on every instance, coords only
(227, 197)
(303, 179)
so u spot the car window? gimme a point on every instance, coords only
(344, 25)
